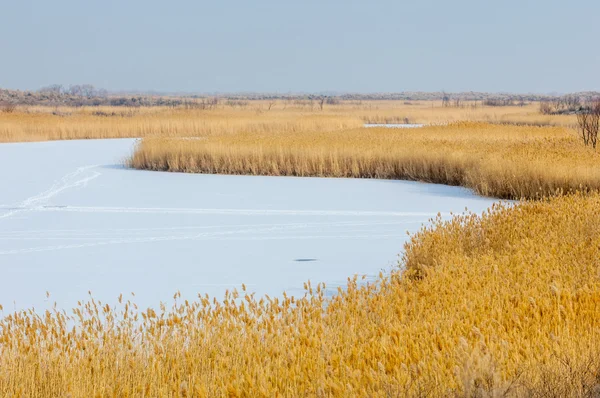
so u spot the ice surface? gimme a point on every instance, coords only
(73, 220)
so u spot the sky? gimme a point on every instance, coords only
(196, 46)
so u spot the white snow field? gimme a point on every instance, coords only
(73, 220)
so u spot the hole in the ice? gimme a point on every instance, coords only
(304, 260)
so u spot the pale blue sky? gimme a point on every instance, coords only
(303, 45)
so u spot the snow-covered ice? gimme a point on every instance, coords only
(73, 220)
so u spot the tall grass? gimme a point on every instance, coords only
(431, 112)
(506, 304)
(38, 123)
(495, 160)
(107, 122)
(503, 304)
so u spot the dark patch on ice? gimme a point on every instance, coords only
(305, 260)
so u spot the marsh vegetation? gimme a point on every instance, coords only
(506, 303)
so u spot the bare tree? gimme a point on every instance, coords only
(571, 102)
(567, 104)
(52, 89)
(101, 92)
(82, 90)
(500, 102)
(321, 102)
(445, 99)
(74, 90)
(588, 121)
(7, 107)
(87, 90)
(208, 103)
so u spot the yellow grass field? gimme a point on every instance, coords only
(86, 123)
(504, 161)
(507, 304)
(431, 112)
(502, 304)
(38, 123)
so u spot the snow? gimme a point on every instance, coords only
(73, 220)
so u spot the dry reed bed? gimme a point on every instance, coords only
(107, 122)
(39, 123)
(495, 160)
(505, 304)
(432, 112)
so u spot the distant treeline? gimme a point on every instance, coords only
(88, 95)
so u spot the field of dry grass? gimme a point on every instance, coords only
(495, 160)
(508, 157)
(41, 124)
(431, 112)
(506, 304)
(38, 123)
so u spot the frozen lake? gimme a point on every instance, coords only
(73, 220)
